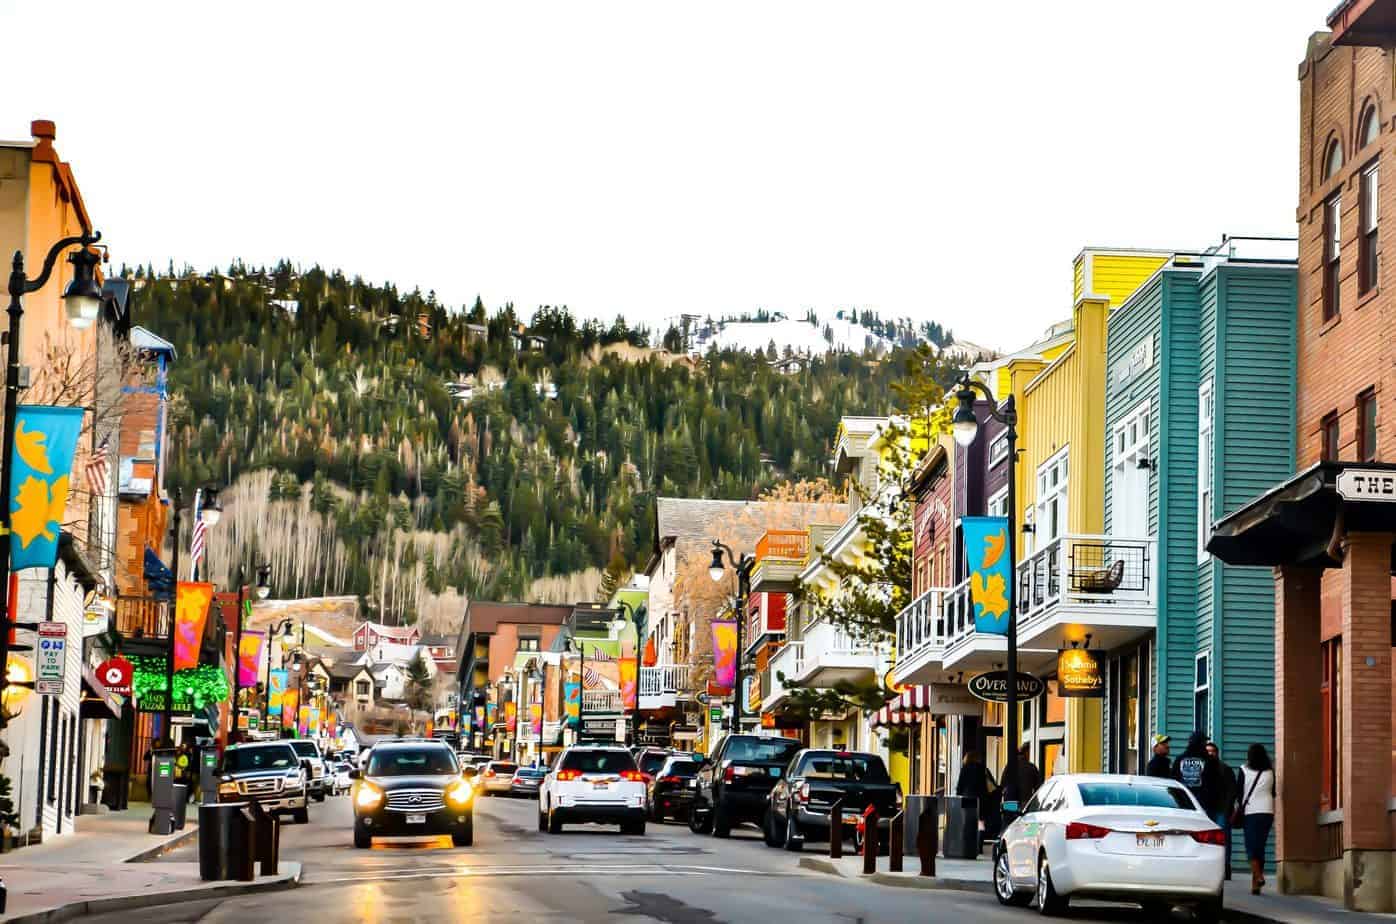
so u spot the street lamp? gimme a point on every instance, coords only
(263, 581)
(716, 569)
(82, 299)
(965, 426)
(210, 510)
(282, 628)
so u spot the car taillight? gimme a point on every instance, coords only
(802, 794)
(489, 773)
(566, 775)
(1080, 831)
(729, 774)
(1211, 836)
(634, 776)
(669, 779)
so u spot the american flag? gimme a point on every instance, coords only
(97, 470)
(590, 679)
(598, 654)
(196, 544)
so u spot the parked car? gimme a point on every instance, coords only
(497, 777)
(342, 781)
(593, 783)
(734, 784)
(308, 749)
(413, 788)
(671, 790)
(802, 799)
(649, 760)
(527, 781)
(1118, 838)
(268, 773)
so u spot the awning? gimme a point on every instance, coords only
(97, 701)
(906, 709)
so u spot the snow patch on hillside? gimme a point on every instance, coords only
(833, 335)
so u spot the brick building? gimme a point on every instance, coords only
(1328, 530)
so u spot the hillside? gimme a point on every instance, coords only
(362, 463)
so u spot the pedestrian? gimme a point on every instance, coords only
(1200, 773)
(1227, 801)
(1026, 782)
(976, 782)
(1256, 783)
(1159, 764)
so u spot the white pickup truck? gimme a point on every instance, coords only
(307, 749)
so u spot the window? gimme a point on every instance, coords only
(1367, 426)
(1369, 127)
(998, 449)
(1332, 239)
(1206, 454)
(425, 761)
(1050, 519)
(1330, 700)
(274, 757)
(598, 761)
(762, 750)
(1129, 505)
(361, 687)
(528, 644)
(1200, 687)
(1330, 434)
(1143, 795)
(853, 768)
(1368, 217)
(1332, 158)
(998, 504)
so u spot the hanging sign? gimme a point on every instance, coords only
(1356, 484)
(986, 550)
(53, 651)
(992, 687)
(115, 674)
(44, 442)
(1081, 673)
(724, 656)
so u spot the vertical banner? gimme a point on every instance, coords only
(276, 692)
(628, 677)
(249, 658)
(510, 716)
(313, 725)
(572, 701)
(986, 551)
(724, 654)
(290, 699)
(191, 612)
(491, 711)
(535, 719)
(303, 722)
(45, 439)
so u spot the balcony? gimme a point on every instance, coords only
(661, 687)
(922, 632)
(1102, 585)
(789, 661)
(780, 556)
(831, 655)
(602, 702)
(143, 618)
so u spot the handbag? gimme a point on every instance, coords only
(1238, 814)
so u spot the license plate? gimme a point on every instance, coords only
(600, 785)
(1149, 841)
(416, 819)
(692, 784)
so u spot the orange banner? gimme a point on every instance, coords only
(628, 689)
(289, 711)
(191, 612)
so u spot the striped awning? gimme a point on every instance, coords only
(906, 709)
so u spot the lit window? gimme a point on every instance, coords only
(1368, 218)
(1332, 244)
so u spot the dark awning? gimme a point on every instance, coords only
(1302, 521)
(97, 701)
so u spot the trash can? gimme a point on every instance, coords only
(961, 840)
(912, 810)
(180, 808)
(218, 826)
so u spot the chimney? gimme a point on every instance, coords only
(44, 132)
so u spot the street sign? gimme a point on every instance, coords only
(992, 687)
(1358, 484)
(715, 714)
(53, 650)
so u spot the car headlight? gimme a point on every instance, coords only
(459, 793)
(227, 789)
(291, 779)
(368, 795)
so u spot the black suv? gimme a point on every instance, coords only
(269, 773)
(734, 784)
(412, 788)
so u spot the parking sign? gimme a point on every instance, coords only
(53, 649)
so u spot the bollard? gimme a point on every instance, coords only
(928, 837)
(869, 825)
(836, 830)
(895, 847)
(269, 844)
(244, 860)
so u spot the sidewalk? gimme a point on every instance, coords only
(976, 876)
(99, 868)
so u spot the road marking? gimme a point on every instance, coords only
(478, 872)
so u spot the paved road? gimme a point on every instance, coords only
(588, 873)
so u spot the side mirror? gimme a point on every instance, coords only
(355, 774)
(305, 764)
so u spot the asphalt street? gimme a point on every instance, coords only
(587, 873)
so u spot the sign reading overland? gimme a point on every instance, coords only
(992, 687)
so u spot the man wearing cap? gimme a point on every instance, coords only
(1159, 764)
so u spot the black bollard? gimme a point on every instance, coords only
(928, 837)
(870, 840)
(895, 848)
(836, 830)
(244, 858)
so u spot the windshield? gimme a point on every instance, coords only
(245, 760)
(861, 768)
(652, 762)
(499, 766)
(305, 748)
(598, 761)
(683, 768)
(1142, 795)
(762, 750)
(411, 762)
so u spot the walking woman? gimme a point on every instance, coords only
(1257, 809)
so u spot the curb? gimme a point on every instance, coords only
(169, 846)
(900, 881)
(153, 899)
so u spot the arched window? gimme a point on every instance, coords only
(1332, 158)
(1368, 127)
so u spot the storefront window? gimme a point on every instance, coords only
(1330, 697)
(1130, 707)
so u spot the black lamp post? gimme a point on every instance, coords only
(83, 301)
(965, 426)
(742, 565)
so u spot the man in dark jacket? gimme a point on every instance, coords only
(1159, 764)
(1200, 773)
(1027, 782)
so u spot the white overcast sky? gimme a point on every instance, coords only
(929, 159)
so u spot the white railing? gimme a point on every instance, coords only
(921, 627)
(790, 662)
(666, 678)
(598, 701)
(1099, 572)
(828, 645)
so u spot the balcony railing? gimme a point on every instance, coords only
(832, 653)
(667, 678)
(787, 544)
(601, 701)
(922, 627)
(788, 662)
(1094, 572)
(143, 617)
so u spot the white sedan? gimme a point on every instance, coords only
(1117, 838)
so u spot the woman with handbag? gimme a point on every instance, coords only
(1256, 811)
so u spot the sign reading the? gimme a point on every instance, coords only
(1081, 673)
(992, 687)
(1357, 484)
(53, 651)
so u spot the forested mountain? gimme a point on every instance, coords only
(378, 443)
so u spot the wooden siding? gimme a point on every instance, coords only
(1113, 276)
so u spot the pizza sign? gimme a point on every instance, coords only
(115, 674)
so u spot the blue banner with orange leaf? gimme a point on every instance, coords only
(986, 551)
(45, 440)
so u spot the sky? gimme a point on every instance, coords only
(924, 159)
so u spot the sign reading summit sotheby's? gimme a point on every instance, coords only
(1081, 673)
(992, 687)
(1365, 484)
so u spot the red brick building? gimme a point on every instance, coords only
(1328, 531)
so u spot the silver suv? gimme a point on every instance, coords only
(269, 773)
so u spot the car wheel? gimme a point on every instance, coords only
(301, 815)
(554, 822)
(1208, 912)
(656, 815)
(1003, 883)
(794, 837)
(362, 839)
(319, 796)
(633, 827)
(700, 822)
(722, 825)
(768, 829)
(1049, 903)
(465, 836)
(542, 819)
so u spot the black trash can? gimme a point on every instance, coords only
(915, 805)
(218, 834)
(961, 840)
(181, 805)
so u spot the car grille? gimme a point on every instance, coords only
(416, 800)
(258, 787)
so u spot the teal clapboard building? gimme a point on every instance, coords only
(1200, 404)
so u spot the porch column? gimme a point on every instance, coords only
(1298, 727)
(1366, 716)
